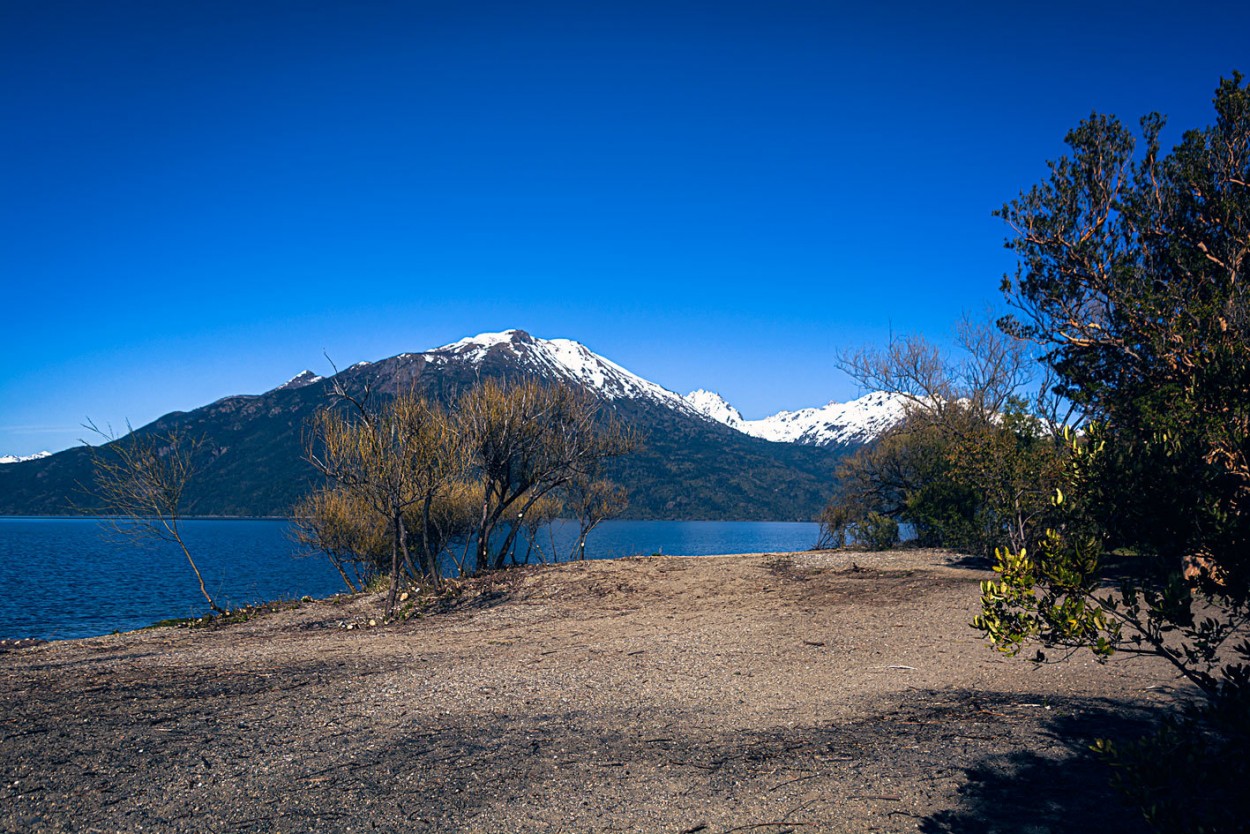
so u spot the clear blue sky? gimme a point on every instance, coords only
(200, 199)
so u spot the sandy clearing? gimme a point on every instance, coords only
(821, 691)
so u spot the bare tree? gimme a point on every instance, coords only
(141, 481)
(392, 457)
(993, 369)
(526, 440)
(592, 501)
(340, 525)
(344, 528)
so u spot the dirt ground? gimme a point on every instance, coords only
(809, 692)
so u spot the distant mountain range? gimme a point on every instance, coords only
(836, 424)
(700, 459)
(22, 459)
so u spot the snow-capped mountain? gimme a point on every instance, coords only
(22, 458)
(698, 457)
(511, 351)
(857, 421)
(557, 359)
(836, 424)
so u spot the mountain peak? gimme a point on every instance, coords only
(836, 424)
(560, 358)
(301, 379)
(484, 342)
(713, 405)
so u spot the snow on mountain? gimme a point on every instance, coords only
(301, 379)
(22, 458)
(561, 358)
(835, 424)
(713, 405)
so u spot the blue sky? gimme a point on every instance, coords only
(204, 198)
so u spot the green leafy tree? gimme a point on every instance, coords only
(1132, 272)
(878, 532)
(972, 463)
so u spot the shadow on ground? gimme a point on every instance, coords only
(968, 561)
(1067, 788)
(188, 749)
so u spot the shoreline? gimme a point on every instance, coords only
(135, 587)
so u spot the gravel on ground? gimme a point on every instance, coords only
(806, 692)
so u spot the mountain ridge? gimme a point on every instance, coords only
(691, 466)
(852, 423)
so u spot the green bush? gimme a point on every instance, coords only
(877, 532)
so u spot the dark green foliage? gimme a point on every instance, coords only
(841, 526)
(946, 513)
(905, 475)
(878, 532)
(1132, 278)
(1189, 776)
(944, 508)
(961, 482)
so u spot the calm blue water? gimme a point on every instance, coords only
(62, 578)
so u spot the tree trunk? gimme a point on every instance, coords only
(403, 546)
(338, 565)
(397, 520)
(464, 555)
(431, 564)
(483, 533)
(510, 542)
(198, 577)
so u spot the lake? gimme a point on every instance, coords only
(63, 578)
